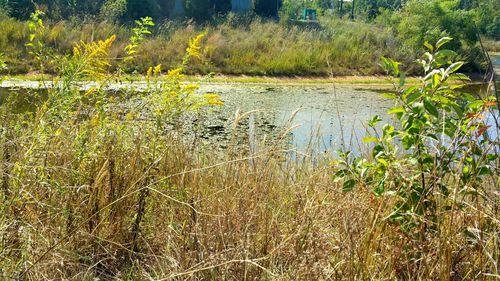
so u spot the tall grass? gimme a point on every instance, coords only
(259, 48)
(70, 202)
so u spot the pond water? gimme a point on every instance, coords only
(320, 117)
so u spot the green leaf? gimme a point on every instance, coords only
(402, 79)
(466, 170)
(349, 185)
(396, 110)
(446, 55)
(429, 46)
(379, 190)
(339, 175)
(454, 67)
(430, 107)
(374, 121)
(413, 97)
(460, 76)
(436, 78)
(476, 104)
(407, 142)
(485, 170)
(443, 41)
(390, 96)
(430, 75)
(391, 66)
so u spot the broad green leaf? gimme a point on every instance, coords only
(436, 78)
(379, 190)
(460, 76)
(476, 104)
(396, 110)
(349, 185)
(454, 67)
(390, 96)
(446, 55)
(430, 107)
(413, 97)
(443, 41)
(339, 175)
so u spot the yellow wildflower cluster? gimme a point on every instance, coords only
(91, 59)
(193, 50)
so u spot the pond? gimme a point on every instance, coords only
(320, 118)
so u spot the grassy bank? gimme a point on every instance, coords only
(338, 48)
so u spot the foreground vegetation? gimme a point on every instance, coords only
(96, 185)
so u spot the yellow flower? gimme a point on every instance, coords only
(190, 88)
(95, 120)
(157, 69)
(194, 46)
(90, 92)
(130, 116)
(215, 102)
(175, 72)
(213, 99)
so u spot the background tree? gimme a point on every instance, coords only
(267, 8)
(220, 6)
(20, 9)
(113, 10)
(142, 8)
(197, 9)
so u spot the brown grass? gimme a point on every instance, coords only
(235, 216)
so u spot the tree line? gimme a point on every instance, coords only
(125, 10)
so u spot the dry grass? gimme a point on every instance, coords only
(235, 216)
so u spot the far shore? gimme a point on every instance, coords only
(240, 79)
(372, 80)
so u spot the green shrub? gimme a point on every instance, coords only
(440, 156)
